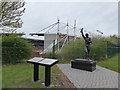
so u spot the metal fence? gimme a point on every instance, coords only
(112, 49)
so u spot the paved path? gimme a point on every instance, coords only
(100, 78)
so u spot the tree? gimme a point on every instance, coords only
(10, 15)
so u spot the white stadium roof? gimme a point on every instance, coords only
(34, 37)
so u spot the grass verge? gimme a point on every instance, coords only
(111, 63)
(21, 75)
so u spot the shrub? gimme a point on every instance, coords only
(75, 49)
(98, 49)
(14, 49)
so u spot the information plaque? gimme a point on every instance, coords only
(48, 63)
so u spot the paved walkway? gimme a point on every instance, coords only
(100, 78)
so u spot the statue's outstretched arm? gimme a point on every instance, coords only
(82, 33)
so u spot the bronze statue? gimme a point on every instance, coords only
(88, 41)
(86, 63)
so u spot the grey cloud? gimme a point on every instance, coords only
(90, 15)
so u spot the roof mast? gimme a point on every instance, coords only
(67, 32)
(75, 30)
(58, 33)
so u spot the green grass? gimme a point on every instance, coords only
(64, 62)
(21, 75)
(0, 77)
(111, 63)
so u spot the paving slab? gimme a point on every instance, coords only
(100, 78)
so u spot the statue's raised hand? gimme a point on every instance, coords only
(81, 30)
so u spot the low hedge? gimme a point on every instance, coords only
(15, 48)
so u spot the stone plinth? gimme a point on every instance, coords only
(84, 64)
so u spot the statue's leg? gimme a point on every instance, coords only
(88, 52)
(85, 52)
(88, 49)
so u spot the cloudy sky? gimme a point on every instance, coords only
(91, 16)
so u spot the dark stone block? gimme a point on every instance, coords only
(84, 64)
